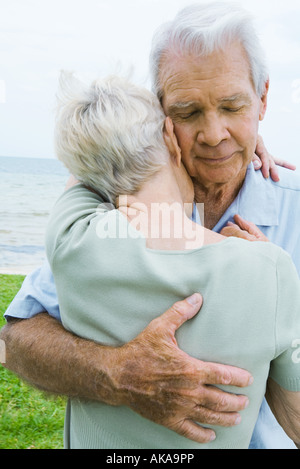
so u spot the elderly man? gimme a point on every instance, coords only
(209, 72)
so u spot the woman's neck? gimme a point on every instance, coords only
(159, 212)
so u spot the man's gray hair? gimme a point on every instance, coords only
(201, 29)
(109, 134)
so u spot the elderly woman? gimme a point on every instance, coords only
(114, 139)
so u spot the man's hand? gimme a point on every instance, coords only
(150, 374)
(264, 161)
(165, 385)
(243, 229)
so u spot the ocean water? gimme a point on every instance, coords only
(29, 188)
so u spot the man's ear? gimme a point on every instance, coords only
(264, 101)
(171, 142)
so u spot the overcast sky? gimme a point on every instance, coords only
(38, 38)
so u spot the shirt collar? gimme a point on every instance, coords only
(256, 202)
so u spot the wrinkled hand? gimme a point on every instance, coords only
(243, 229)
(267, 163)
(163, 384)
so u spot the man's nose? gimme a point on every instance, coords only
(213, 130)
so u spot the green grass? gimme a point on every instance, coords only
(28, 418)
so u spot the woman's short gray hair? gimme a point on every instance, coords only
(109, 134)
(201, 29)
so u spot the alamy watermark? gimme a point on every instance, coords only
(296, 353)
(157, 221)
(2, 352)
(2, 92)
(296, 92)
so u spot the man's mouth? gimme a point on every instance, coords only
(215, 159)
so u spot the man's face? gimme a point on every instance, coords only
(215, 111)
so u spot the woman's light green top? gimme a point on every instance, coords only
(110, 286)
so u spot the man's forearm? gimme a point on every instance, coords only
(285, 405)
(149, 374)
(47, 356)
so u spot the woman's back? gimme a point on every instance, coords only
(110, 286)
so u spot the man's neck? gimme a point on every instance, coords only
(216, 199)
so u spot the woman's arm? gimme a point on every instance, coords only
(285, 405)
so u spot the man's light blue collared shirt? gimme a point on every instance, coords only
(273, 207)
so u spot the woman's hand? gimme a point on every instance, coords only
(243, 229)
(264, 161)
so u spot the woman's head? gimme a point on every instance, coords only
(109, 134)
